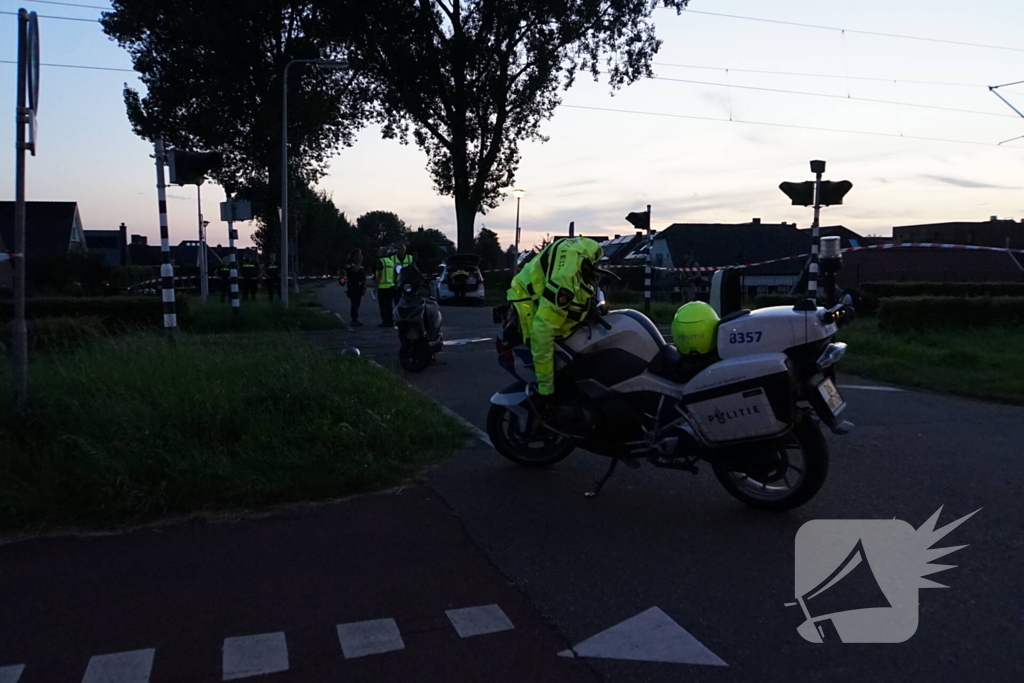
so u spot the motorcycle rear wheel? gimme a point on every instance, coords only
(802, 459)
(538, 449)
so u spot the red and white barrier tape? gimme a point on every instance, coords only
(9, 257)
(887, 245)
(178, 278)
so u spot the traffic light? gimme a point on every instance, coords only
(191, 168)
(641, 220)
(831, 193)
(802, 194)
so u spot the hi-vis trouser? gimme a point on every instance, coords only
(552, 299)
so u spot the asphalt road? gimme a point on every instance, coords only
(488, 572)
(723, 571)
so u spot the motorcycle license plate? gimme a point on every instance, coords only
(833, 399)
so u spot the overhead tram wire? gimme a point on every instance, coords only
(68, 4)
(853, 30)
(74, 66)
(48, 16)
(781, 125)
(840, 97)
(809, 75)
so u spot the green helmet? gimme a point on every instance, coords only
(694, 328)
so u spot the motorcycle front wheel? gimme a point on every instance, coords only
(521, 445)
(783, 477)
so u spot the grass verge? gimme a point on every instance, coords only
(981, 363)
(259, 316)
(131, 428)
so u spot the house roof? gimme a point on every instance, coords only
(103, 239)
(723, 244)
(48, 226)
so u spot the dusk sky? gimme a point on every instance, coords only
(599, 165)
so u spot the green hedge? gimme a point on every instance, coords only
(926, 312)
(885, 290)
(116, 312)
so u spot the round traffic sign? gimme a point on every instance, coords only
(33, 62)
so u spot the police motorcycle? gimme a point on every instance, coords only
(751, 408)
(419, 320)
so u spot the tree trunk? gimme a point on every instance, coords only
(465, 216)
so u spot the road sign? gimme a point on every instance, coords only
(191, 168)
(236, 210)
(33, 62)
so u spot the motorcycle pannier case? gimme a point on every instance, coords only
(742, 398)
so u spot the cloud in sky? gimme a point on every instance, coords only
(967, 183)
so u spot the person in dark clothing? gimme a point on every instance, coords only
(273, 281)
(250, 279)
(224, 275)
(355, 283)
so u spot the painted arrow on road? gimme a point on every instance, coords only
(651, 636)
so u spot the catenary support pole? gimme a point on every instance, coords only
(232, 257)
(166, 269)
(19, 341)
(647, 265)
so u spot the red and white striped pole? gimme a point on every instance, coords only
(166, 269)
(232, 256)
(818, 168)
(647, 265)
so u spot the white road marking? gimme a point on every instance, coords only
(11, 674)
(369, 638)
(651, 636)
(867, 387)
(476, 621)
(463, 342)
(246, 656)
(120, 667)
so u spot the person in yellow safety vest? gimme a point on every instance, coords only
(386, 287)
(552, 295)
(400, 260)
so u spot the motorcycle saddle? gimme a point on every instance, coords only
(676, 367)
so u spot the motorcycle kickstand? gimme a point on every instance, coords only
(604, 479)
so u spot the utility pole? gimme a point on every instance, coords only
(24, 116)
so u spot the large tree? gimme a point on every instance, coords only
(381, 229)
(213, 75)
(470, 79)
(488, 246)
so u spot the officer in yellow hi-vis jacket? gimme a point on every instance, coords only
(552, 295)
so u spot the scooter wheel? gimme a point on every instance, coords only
(414, 358)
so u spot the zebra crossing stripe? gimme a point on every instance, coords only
(369, 638)
(120, 667)
(246, 656)
(11, 674)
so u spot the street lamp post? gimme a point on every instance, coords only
(284, 164)
(519, 196)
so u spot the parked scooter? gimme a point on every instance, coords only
(752, 410)
(419, 320)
